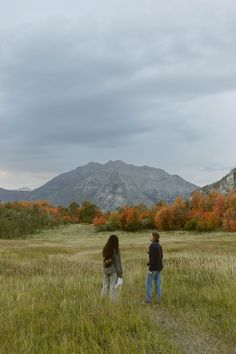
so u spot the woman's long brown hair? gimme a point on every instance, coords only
(111, 246)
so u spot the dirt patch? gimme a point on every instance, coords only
(186, 337)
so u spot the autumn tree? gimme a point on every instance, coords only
(129, 219)
(74, 212)
(88, 212)
(163, 218)
(229, 217)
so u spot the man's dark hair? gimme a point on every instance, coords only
(155, 235)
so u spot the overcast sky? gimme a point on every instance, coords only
(147, 82)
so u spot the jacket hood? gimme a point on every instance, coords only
(155, 244)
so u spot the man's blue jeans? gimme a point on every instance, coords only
(156, 277)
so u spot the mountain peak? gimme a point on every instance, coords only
(115, 163)
(111, 185)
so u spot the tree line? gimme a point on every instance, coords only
(201, 212)
(21, 219)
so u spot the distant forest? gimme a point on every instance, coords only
(201, 213)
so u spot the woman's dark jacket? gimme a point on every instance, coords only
(155, 257)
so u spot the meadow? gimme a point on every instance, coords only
(50, 295)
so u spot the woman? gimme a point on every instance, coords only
(112, 268)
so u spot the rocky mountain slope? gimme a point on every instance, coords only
(111, 185)
(224, 185)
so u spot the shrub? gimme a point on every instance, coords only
(190, 225)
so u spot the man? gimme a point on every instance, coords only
(155, 267)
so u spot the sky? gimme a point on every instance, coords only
(148, 82)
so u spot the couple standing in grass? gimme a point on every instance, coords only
(113, 272)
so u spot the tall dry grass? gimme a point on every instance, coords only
(50, 295)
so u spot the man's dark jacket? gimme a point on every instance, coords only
(155, 257)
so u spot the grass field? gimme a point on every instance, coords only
(50, 295)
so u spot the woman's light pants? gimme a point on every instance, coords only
(109, 282)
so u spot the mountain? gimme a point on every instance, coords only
(224, 185)
(24, 189)
(112, 185)
(13, 195)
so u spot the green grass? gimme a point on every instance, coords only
(50, 295)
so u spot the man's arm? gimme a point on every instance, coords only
(151, 256)
(161, 251)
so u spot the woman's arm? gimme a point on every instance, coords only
(118, 266)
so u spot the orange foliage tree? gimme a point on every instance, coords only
(229, 217)
(129, 219)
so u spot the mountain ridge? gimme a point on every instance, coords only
(110, 186)
(224, 185)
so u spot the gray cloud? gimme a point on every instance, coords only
(117, 81)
